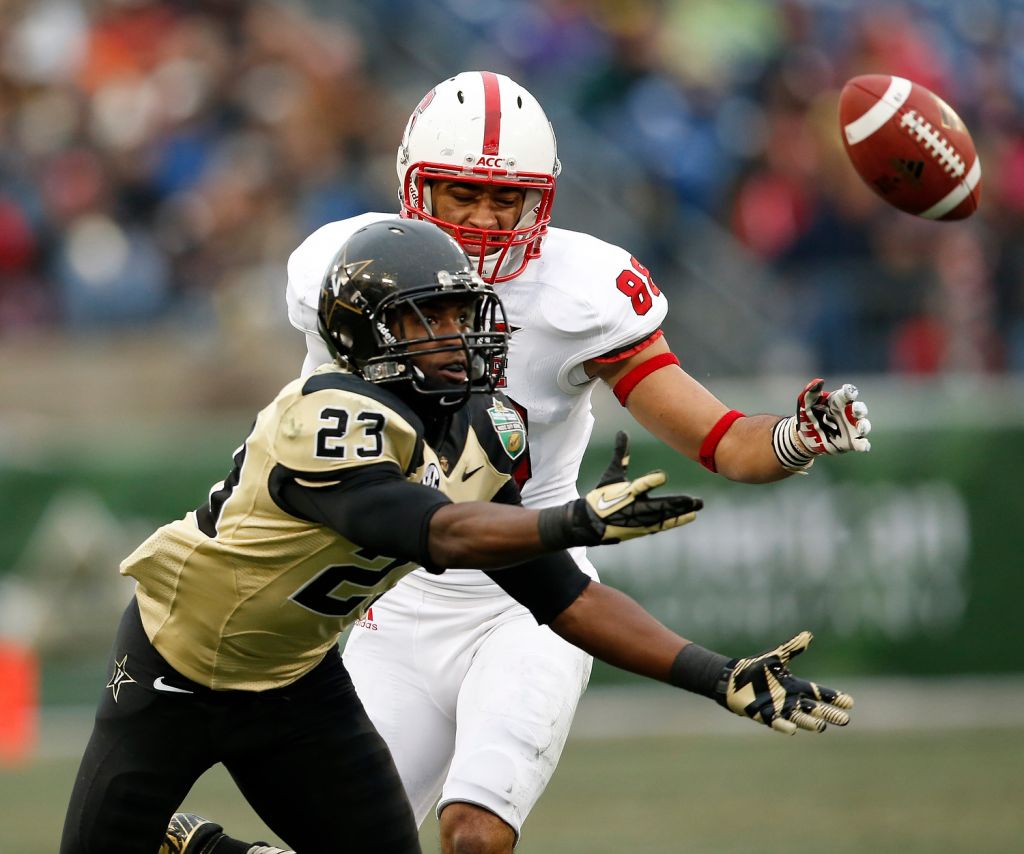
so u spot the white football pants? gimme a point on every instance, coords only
(474, 698)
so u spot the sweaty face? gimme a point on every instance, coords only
(445, 316)
(472, 205)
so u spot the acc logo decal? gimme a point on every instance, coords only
(510, 429)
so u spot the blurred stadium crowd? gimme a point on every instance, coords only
(158, 157)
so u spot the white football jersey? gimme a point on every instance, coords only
(582, 298)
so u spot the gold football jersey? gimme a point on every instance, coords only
(240, 594)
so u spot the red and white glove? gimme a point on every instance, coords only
(826, 422)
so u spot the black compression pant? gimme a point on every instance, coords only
(306, 758)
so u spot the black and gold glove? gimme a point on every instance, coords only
(763, 689)
(617, 509)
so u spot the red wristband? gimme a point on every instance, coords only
(706, 455)
(624, 386)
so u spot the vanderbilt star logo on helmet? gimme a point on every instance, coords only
(353, 270)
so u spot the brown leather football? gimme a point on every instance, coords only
(910, 147)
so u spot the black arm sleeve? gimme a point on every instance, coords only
(546, 585)
(374, 506)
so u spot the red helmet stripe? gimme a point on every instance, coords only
(492, 112)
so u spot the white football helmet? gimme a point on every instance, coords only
(482, 127)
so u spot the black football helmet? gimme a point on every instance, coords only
(397, 265)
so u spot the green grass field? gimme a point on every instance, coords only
(845, 792)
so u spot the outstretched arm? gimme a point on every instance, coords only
(619, 508)
(376, 507)
(675, 408)
(613, 627)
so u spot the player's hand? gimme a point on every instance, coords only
(618, 508)
(826, 422)
(832, 422)
(763, 689)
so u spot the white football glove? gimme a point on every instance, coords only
(826, 422)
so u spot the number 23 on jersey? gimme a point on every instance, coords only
(334, 439)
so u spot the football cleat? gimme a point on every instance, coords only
(190, 834)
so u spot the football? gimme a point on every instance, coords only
(910, 147)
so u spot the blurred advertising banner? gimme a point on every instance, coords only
(904, 560)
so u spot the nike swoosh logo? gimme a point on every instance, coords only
(466, 475)
(604, 503)
(160, 685)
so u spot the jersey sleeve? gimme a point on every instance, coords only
(307, 267)
(374, 506)
(610, 302)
